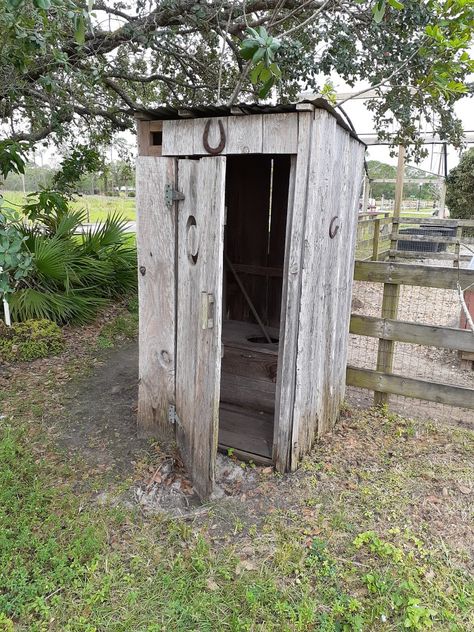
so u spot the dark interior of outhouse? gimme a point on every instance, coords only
(254, 250)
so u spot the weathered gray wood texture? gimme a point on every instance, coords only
(156, 291)
(199, 323)
(255, 134)
(410, 387)
(414, 333)
(317, 284)
(412, 274)
(326, 194)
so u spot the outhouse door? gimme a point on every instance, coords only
(199, 257)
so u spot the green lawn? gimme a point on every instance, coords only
(372, 534)
(97, 206)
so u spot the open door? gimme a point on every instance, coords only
(200, 238)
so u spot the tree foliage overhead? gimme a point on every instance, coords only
(95, 65)
(460, 187)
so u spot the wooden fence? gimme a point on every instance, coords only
(389, 330)
(382, 236)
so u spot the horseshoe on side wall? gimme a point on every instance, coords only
(333, 229)
(205, 139)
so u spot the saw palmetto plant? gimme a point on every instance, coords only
(73, 275)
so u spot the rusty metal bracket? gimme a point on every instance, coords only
(214, 151)
(333, 230)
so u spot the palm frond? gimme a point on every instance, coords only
(60, 307)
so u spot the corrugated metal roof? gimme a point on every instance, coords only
(210, 111)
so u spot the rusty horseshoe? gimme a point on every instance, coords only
(205, 139)
(333, 229)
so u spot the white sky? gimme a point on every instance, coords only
(363, 122)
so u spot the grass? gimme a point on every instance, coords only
(363, 537)
(97, 206)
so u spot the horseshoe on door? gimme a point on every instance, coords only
(205, 139)
(333, 227)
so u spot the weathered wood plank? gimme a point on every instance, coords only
(178, 138)
(246, 431)
(199, 324)
(280, 133)
(444, 337)
(437, 221)
(434, 239)
(266, 271)
(156, 290)
(244, 135)
(248, 392)
(290, 297)
(410, 387)
(326, 271)
(412, 274)
(412, 254)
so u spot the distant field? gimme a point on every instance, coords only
(97, 206)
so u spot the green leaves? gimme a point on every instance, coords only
(260, 49)
(380, 7)
(12, 157)
(79, 29)
(15, 258)
(42, 4)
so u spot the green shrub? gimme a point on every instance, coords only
(30, 340)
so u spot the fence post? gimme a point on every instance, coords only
(457, 247)
(391, 291)
(375, 243)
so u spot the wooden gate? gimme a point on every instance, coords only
(200, 239)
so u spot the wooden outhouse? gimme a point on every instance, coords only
(246, 233)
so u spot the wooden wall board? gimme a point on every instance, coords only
(316, 289)
(280, 133)
(178, 138)
(198, 357)
(244, 135)
(291, 293)
(156, 291)
(326, 273)
(256, 133)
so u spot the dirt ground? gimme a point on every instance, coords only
(96, 423)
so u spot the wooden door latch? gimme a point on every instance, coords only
(207, 310)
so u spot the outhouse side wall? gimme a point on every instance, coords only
(319, 272)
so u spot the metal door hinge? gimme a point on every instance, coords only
(172, 195)
(173, 415)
